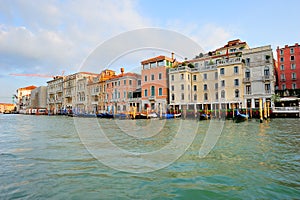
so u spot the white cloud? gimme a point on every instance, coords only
(208, 36)
(60, 33)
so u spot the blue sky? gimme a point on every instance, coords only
(48, 37)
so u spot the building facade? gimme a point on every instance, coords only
(233, 76)
(23, 98)
(155, 83)
(121, 92)
(55, 95)
(288, 68)
(39, 98)
(259, 75)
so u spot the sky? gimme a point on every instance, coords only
(56, 36)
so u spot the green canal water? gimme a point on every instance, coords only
(43, 157)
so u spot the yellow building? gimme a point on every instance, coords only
(7, 107)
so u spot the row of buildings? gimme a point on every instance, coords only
(234, 75)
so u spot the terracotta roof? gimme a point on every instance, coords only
(155, 59)
(32, 87)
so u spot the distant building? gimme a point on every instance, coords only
(7, 107)
(288, 69)
(38, 97)
(23, 98)
(155, 82)
(55, 94)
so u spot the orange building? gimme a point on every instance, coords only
(155, 92)
(7, 107)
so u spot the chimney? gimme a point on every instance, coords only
(122, 71)
(172, 55)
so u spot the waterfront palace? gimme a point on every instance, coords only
(233, 75)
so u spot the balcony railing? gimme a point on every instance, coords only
(246, 80)
(286, 109)
(229, 61)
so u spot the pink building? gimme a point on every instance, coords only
(122, 92)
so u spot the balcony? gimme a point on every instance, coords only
(266, 78)
(268, 91)
(246, 80)
(294, 78)
(282, 79)
(152, 98)
(230, 61)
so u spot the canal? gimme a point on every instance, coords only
(47, 157)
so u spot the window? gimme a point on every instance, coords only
(152, 77)
(182, 87)
(205, 76)
(160, 91)
(194, 77)
(292, 50)
(160, 63)
(188, 87)
(236, 82)
(237, 93)
(247, 62)
(268, 88)
(248, 89)
(124, 94)
(236, 69)
(205, 87)
(294, 86)
(195, 88)
(222, 71)
(223, 83)
(195, 97)
(216, 86)
(283, 87)
(173, 97)
(152, 91)
(146, 78)
(182, 96)
(281, 67)
(159, 76)
(292, 58)
(181, 76)
(130, 82)
(281, 52)
(223, 94)
(129, 94)
(266, 71)
(188, 77)
(293, 66)
(216, 75)
(152, 65)
(172, 87)
(205, 96)
(294, 76)
(281, 59)
(217, 96)
(146, 92)
(139, 82)
(146, 66)
(247, 73)
(282, 77)
(172, 77)
(118, 83)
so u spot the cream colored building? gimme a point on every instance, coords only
(221, 79)
(55, 95)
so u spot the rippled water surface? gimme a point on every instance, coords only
(42, 157)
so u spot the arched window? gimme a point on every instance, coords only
(152, 91)
(217, 96)
(205, 96)
(195, 97)
(266, 71)
(173, 97)
(223, 94)
(237, 93)
(247, 73)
